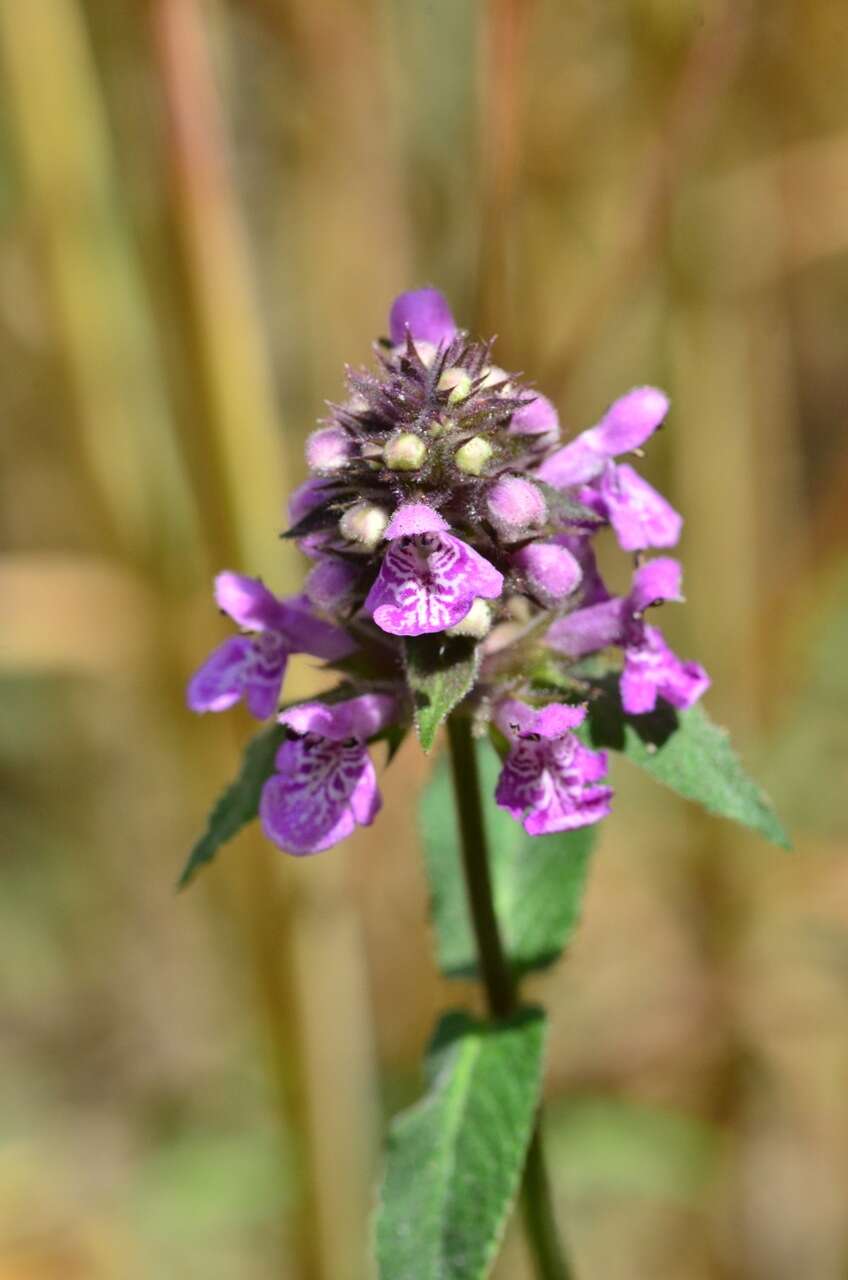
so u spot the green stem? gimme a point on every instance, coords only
(500, 987)
(498, 983)
(539, 1218)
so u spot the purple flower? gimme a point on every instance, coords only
(252, 666)
(639, 515)
(325, 784)
(625, 426)
(651, 668)
(424, 314)
(617, 620)
(549, 778)
(429, 578)
(587, 630)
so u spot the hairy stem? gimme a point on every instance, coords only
(500, 987)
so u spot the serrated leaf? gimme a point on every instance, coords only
(239, 804)
(454, 1160)
(538, 881)
(440, 671)
(691, 755)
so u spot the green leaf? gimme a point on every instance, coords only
(440, 670)
(538, 881)
(690, 754)
(239, 804)
(455, 1159)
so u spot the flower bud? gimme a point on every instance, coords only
(473, 455)
(535, 418)
(364, 524)
(425, 315)
(328, 449)
(458, 382)
(550, 571)
(515, 506)
(330, 582)
(404, 452)
(306, 497)
(477, 623)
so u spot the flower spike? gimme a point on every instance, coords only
(451, 531)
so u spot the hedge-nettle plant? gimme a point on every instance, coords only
(452, 530)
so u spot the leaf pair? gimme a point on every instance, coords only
(455, 1159)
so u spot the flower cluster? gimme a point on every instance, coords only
(442, 504)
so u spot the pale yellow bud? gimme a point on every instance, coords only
(473, 455)
(458, 382)
(364, 524)
(404, 452)
(476, 623)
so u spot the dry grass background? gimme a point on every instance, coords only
(205, 209)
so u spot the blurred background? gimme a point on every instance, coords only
(206, 207)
